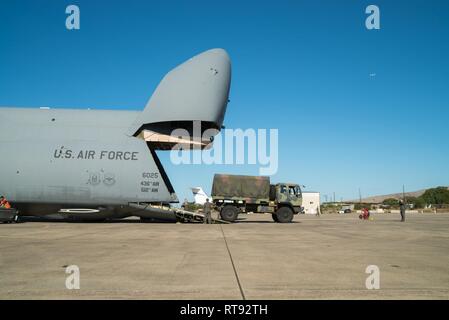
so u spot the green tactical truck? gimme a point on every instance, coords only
(233, 194)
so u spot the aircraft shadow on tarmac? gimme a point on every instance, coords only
(25, 219)
(56, 220)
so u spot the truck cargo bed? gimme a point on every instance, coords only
(237, 186)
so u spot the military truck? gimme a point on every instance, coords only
(235, 194)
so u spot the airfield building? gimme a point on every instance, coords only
(310, 202)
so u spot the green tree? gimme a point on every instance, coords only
(439, 195)
(417, 202)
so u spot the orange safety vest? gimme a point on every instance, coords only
(5, 204)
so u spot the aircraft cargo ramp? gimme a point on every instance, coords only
(174, 214)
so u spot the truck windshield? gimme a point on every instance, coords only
(292, 191)
(298, 191)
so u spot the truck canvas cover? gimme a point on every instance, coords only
(236, 186)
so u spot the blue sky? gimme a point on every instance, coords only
(302, 67)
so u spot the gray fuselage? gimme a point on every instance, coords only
(76, 158)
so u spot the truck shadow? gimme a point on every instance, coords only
(263, 222)
(250, 221)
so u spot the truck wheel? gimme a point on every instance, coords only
(284, 215)
(275, 217)
(229, 213)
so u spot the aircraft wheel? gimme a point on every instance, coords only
(284, 215)
(229, 213)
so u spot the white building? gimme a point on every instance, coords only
(311, 202)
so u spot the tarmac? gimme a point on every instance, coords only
(313, 258)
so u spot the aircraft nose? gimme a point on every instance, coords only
(219, 64)
(196, 90)
(218, 61)
(219, 54)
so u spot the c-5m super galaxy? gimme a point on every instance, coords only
(100, 164)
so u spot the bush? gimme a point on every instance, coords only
(360, 206)
(391, 202)
(193, 207)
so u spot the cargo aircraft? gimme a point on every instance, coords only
(101, 164)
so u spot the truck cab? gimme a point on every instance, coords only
(289, 194)
(287, 201)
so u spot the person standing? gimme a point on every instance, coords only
(402, 207)
(318, 211)
(207, 208)
(184, 204)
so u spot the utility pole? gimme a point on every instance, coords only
(360, 196)
(334, 196)
(403, 194)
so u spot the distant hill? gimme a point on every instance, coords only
(381, 198)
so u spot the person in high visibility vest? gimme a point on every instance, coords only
(4, 203)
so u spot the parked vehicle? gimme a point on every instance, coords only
(235, 194)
